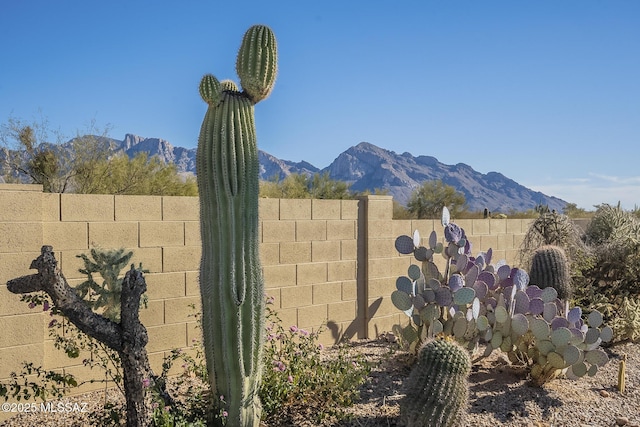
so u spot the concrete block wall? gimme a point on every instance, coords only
(309, 254)
(325, 262)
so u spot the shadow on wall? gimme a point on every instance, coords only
(352, 330)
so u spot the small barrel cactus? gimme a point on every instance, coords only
(437, 390)
(550, 268)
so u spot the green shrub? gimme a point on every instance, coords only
(299, 379)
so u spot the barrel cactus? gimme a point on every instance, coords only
(437, 390)
(550, 268)
(231, 283)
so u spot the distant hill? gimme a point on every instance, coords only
(367, 167)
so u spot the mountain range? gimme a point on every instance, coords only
(368, 167)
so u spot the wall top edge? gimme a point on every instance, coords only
(21, 187)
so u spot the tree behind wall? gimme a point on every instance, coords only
(427, 201)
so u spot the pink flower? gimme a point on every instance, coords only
(32, 304)
(290, 378)
(52, 323)
(278, 366)
(146, 382)
(45, 306)
(320, 347)
(293, 329)
(303, 332)
(225, 414)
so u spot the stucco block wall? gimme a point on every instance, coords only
(329, 263)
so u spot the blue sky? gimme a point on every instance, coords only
(545, 92)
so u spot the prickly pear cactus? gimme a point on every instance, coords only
(476, 302)
(231, 283)
(550, 268)
(437, 390)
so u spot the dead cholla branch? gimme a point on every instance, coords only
(128, 338)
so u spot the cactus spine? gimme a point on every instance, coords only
(550, 268)
(437, 388)
(231, 283)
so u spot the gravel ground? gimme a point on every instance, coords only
(499, 396)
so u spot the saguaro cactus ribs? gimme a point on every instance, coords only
(231, 284)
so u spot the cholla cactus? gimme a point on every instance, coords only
(437, 390)
(231, 283)
(550, 268)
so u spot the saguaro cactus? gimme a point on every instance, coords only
(550, 268)
(437, 390)
(231, 283)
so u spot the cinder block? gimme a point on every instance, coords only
(180, 208)
(20, 206)
(399, 265)
(296, 296)
(12, 358)
(161, 233)
(514, 226)
(10, 303)
(194, 333)
(311, 230)
(278, 231)
(87, 207)
(325, 250)
(381, 248)
(379, 207)
(183, 310)
(341, 270)
(311, 273)
(153, 315)
(288, 317)
(498, 226)
(69, 263)
(385, 307)
(273, 294)
(113, 234)
(269, 209)
(156, 360)
(56, 358)
(480, 226)
(21, 329)
(66, 235)
(349, 249)
(349, 290)
(295, 252)
(381, 287)
(295, 209)
(193, 283)
(381, 229)
(167, 337)
(342, 311)
(379, 268)
(192, 233)
(269, 253)
(325, 293)
(400, 227)
(512, 256)
(517, 240)
(277, 276)
(486, 242)
(181, 258)
(381, 325)
(51, 207)
(165, 285)
(314, 315)
(151, 259)
(325, 209)
(349, 209)
(86, 374)
(505, 241)
(138, 208)
(20, 236)
(425, 227)
(341, 230)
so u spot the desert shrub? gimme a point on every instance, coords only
(298, 378)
